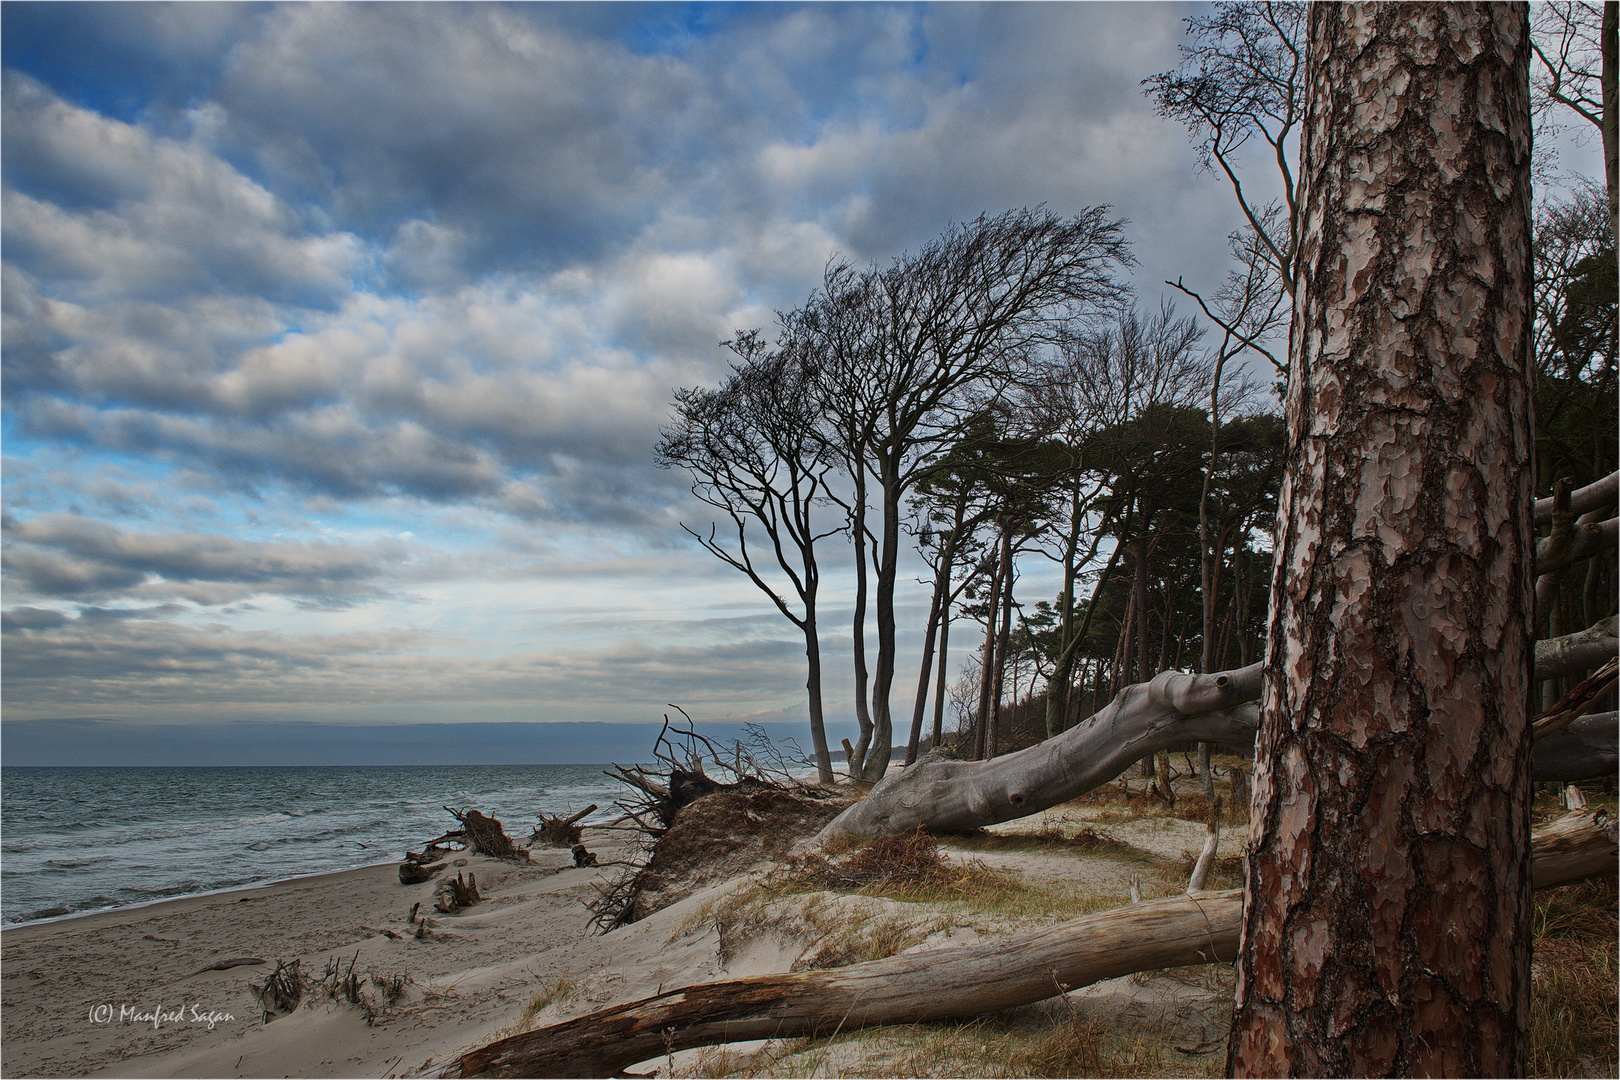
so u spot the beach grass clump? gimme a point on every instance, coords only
(861, 940)
(1053, 840)
(1037, 1041)
(559, 991)
(886, 864)
(1574, 976)
(913, 870)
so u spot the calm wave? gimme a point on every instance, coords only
(79, 840)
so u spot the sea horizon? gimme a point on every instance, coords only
(79, 839)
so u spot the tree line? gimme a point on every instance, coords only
(997, 398)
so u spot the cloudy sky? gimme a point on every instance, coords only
(337, 339)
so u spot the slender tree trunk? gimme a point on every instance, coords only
(877, 758)
(942, 587)
(1610, 77)
(940, 678)
(863, 717)
(1210, 561)
(1139, 595)
(987, 667)
(1387, 920)
(1057, 687)
(993, 732)
(818, 721)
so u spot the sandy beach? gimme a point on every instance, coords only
(137, 992)
(80, 994)
(125, 993)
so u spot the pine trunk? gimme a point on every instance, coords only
(1386, 924)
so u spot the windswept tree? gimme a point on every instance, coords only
(938, 334)
(1098, 385)
(750, 451)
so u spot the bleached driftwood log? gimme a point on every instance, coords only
(941, 984)
(1584, 500)
(945, 795)
(1588, 748)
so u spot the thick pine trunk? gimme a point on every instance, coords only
(1386, 922)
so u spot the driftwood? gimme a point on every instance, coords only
(1584, 500)
(453, 894)
(414, 873)
(281, 992)
(941, 984)
(1573, 704)
(224, 965)
(1570, 654)
(560, 832)
(483, 836)
(945, 795)
(1588, 747)
(1212, 843)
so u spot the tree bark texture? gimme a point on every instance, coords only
(1386, 921)
(940, 984)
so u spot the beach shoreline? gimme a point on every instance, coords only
(267, 884)
(135, 991)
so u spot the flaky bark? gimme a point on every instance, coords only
(938, 984)
(1386, 925)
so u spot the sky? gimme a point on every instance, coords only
(337, 339)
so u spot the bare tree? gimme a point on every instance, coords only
(1576, 69)
(1386, 922)
(952, 326)
(1240, 83)
(749, 449)
(1101, 382)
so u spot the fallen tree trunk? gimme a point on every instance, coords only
(941, 984)
(1582, 500)
(944, 795)
(1584, 650)
(1589, 747)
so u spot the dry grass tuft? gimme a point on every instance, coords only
(1573, 998)
(556, 992)
(884, 865)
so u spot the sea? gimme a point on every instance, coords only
(76, 840)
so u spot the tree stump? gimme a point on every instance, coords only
(454, 894)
